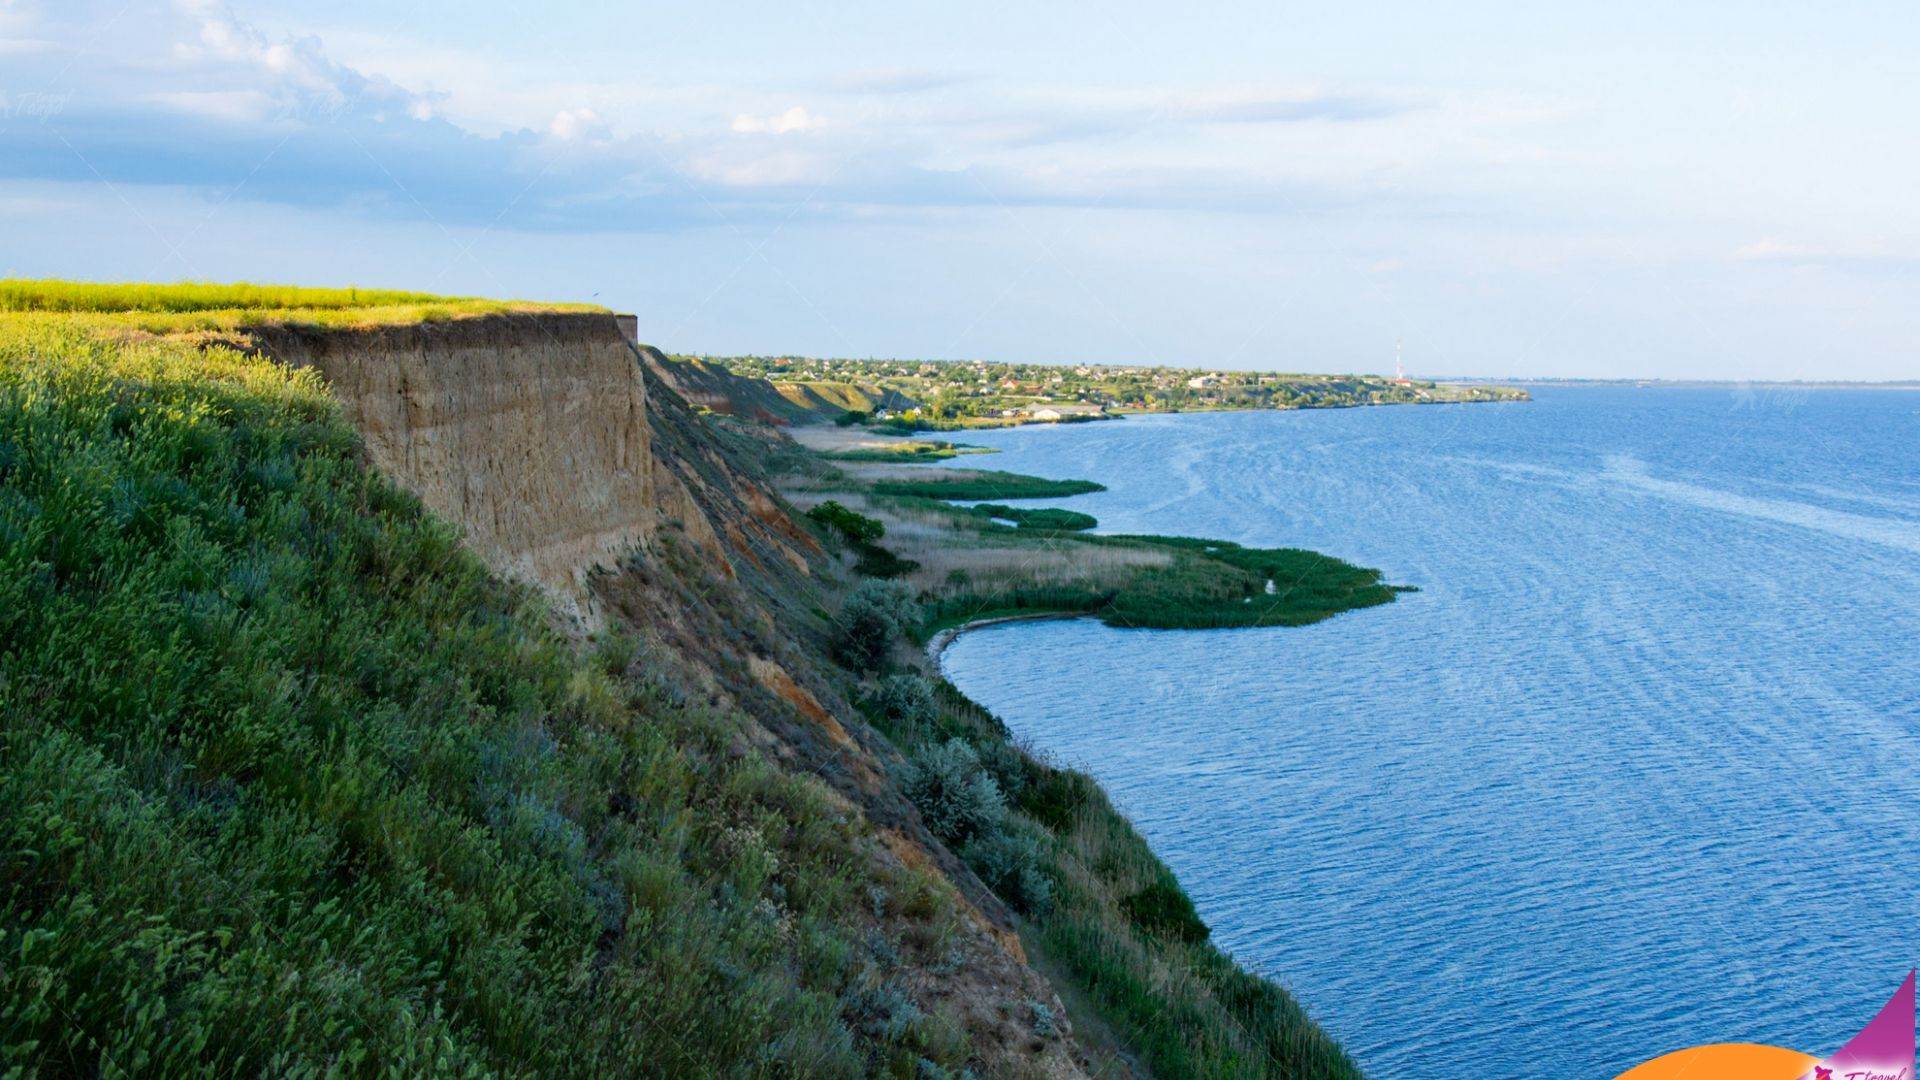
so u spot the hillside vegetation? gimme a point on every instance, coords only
(290, 783)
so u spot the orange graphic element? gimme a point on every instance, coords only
(1884, 1050)
(1726, 1061)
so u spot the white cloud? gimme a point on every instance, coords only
(570, 124)
(1880, 258)
(20, 29)
(36, 206)
(890, 80)
(1768, 251)
(796, 119)
(236, 106)
(297, 70)
(780, 169)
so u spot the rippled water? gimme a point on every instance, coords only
(1635, 770)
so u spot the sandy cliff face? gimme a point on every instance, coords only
(529, 431)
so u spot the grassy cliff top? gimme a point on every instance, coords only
(196, 305)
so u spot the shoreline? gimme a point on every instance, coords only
(937, 644)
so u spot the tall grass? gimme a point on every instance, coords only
(196, 307)
(290, 784)
(21, 294)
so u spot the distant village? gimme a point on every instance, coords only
(978, 392)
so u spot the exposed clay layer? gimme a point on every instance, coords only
(530, 431)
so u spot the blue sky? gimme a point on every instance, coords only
(1615, 189)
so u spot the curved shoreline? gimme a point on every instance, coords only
(937, 644)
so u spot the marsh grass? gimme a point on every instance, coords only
(1046, 519)
(1151, 582)
(910, 450)
(985, 485)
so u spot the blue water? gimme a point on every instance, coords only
(1634, 770)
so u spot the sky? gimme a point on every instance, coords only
(1624, 189)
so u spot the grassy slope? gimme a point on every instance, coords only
(292, 784)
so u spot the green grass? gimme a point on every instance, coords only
(290, 784)
(987, 485)
(1049, 519)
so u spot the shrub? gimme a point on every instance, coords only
(907, 698)
(876, 561)
(1163, 910)
(955, 794)
(873, 617)
(1011, 864)
(1045, 1024)
(1053, 796)
(884, 1012)
(852, 417)
(854, 527)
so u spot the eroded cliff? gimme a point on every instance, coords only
(529, 431)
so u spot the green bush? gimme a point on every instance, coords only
(1053, 796)
(873, 618)
(1011, 863)
(906, 698)
(854, 527)
(956, 795)
(1164, 910)
(877, 562)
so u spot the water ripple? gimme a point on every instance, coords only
(1633, 771)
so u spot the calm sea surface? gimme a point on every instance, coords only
(1637, 768)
